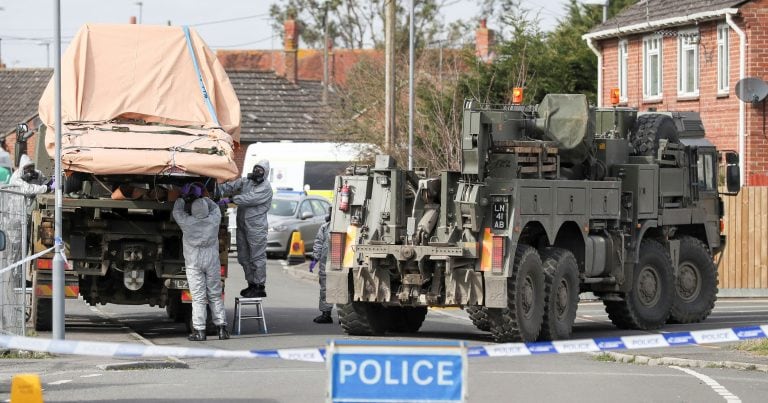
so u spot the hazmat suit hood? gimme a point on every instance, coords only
(265, 165)
(199, 209)
(25, 161)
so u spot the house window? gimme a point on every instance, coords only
(723, 59)
(652, 79)
(688, 63)
(623, 63)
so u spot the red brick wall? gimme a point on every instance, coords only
(720, 113)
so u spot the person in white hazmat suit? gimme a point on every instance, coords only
(200, 239)
(30, 182)
(253, 197)
(319, 255)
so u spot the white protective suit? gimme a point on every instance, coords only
(201, 257)
(253, 201)
(16, 219)
(320, 254)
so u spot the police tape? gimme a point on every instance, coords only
(129, 350)
(25, 260)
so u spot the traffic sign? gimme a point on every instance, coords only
(370, 371)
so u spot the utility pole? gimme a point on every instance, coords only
(325, 54)
(58, 253)
(140, 4)
(389, 80)
(47, 52)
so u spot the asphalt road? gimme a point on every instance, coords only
(290, 307)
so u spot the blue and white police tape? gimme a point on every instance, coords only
(25, 260)
(128, 350)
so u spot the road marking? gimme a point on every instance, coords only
(722, 391)
(61, 382)
(90, 375)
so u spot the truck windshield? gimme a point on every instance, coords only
(283, 207)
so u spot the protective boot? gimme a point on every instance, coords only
(247, 290)
(223, 333)
(197, 335)
(258, 291)
(325, 317)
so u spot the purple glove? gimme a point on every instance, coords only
(312, 265)
(223, 201)
(185, 189)
(196, 190)
(52, 185)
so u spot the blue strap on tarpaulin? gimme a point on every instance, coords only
(200, 77)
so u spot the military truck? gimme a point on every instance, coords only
(552, 200)
(136, 127)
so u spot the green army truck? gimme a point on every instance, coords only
(145, 111)
(552, 200)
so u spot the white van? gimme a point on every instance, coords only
(305, 166)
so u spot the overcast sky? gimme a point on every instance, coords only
(27, 25)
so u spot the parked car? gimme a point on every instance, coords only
(294, 212)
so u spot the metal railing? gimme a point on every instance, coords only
(15, 296)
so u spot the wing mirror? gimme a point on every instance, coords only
(306, 215)
(732, 173)
(2, 240)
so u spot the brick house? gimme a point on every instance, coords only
(689, 55)
(20, 91)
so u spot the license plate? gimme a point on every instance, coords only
(500, 206)
(179, 284)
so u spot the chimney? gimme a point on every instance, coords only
(484, 41)
(291, 50)
(132, 20)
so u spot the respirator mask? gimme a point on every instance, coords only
(257, 175)
(30, 174)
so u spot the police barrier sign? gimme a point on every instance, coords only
(367, 371)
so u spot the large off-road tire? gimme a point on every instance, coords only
(406, 319)
(648, 130)
(647, 305)
(695, 283)
(521, 320)
(43, 314)
(561, 298)
(363, 319)
(479, 316)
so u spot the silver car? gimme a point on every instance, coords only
(294, 212)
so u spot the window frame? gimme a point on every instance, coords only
(623, 70)
(658, 51)
(688, 40)
(723, 59)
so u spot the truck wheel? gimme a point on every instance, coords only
(648, 130)
(43, 314)
(479, 316)
(521, 320)
(695, 283)
(561, 297)
(406, 319)
(647, 305)
(362, 319)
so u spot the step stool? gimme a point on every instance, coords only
(239, 303)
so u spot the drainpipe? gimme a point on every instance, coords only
(591, 45)
(742, 105)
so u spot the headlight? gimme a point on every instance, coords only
(278, 228)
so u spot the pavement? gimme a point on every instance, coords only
(83, 326)
(721, 355)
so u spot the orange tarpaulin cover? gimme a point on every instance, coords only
(112, 75)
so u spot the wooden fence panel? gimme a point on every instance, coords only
(744, 263)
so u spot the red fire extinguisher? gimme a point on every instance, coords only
(344, 198)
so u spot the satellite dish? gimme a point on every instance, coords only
(751, 89)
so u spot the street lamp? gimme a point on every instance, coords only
(47, 45)
(603, 3)
(140, 4)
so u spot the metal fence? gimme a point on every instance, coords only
(15, 296)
